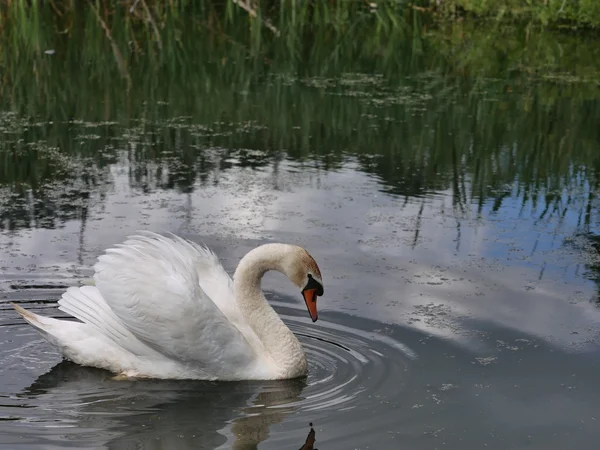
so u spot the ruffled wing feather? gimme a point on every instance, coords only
(157, 287)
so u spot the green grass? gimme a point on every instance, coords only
(558, 13)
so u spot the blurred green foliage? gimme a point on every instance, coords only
(566, 13)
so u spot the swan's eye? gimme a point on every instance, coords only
(313, 284)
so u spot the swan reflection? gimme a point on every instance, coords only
(157, 414)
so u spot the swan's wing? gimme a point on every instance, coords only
(151, 283)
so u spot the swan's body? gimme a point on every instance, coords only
(164, 307)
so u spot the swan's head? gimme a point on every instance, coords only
(303, 271)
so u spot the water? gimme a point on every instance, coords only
(90, 408)
(453, 216)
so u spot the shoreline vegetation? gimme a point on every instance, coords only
(284, 17)
(127, 33)
(560, 14)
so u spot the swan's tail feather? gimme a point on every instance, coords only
(79, 342)
(32, 318)
(47, 326)
(87, 304)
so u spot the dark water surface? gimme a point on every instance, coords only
(454, 218)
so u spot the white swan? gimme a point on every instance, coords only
(164, 307)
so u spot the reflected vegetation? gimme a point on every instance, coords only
(159, 414)
(485, 114)
(587, 242)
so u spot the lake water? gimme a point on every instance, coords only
(453, 216)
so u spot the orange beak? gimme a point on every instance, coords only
(310, 297)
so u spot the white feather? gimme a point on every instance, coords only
(86, 304)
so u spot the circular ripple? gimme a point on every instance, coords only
(348, 366)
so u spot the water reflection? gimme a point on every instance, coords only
(159, 414)
(418, 132)
(310, 440)
(588, 243)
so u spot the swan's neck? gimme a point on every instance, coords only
(281, 344)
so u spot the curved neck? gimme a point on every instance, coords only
(279, 341)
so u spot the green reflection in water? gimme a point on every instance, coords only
(484, 113)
